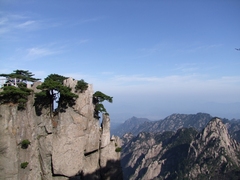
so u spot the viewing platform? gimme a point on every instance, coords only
(11, 82)
(2, 82)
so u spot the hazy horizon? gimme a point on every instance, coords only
(155, 58)
(219, 110)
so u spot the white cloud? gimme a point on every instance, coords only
(192, 86)
(193, 83)
(10, 22)
(85, 20)
(187, 67)
(147, 96)
(26, 24)
(13, 24)
(36, 52)
(178, 79)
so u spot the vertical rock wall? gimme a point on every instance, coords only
(69, 144)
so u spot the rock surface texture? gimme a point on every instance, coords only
(70, 144)
(185, 154)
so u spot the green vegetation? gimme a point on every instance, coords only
(164, 137)
(19, 77)
(98, 98)
(118, 149)
(15, 95)
(53, 90)
(183, 136)
(81, 86)
(25, 143)
(15, 89)
(24, 165)
(177, 145)
(53, 93)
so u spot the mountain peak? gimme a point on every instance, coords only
(136, 120)
(215, 128)
(214, 146)
(129, 125)
(184, 154)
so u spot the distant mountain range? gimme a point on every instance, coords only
(174, 122)
(182, 147)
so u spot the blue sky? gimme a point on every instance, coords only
(154, 57)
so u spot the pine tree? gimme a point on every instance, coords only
(54, 91)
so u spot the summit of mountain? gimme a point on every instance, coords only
(129, 125)
(173, 123)
(170, 123)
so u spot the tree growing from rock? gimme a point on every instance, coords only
(81, 86)
(19, 77)
(98, 98)
(15, 89)
(54, 91)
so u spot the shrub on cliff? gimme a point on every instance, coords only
(118, 149)
(24, 165)
(81, 86)
(25, 143)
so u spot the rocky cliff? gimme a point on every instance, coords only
(185, 154)
(69, 144)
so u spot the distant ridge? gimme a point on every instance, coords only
(129, 125)
(170, 123)
(174, 122)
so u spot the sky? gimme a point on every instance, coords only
(155, 58)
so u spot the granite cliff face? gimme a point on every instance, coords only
(184, 154)
(69, 144)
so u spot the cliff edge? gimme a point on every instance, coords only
(69, 144)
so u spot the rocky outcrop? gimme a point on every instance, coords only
(69, 144)
(214, 152)
(185, 154)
